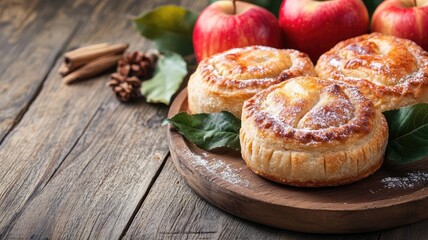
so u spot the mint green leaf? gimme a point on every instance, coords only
(408, 133)
(209, 131)
(170, 27)
(169, 74)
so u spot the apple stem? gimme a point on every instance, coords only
(234, 6)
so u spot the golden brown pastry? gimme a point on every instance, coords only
(391, 71)
(224, 81)
(312, 132)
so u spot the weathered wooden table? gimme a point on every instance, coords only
(74, 162)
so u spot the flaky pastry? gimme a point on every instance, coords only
(312, 132)
(391, 71)
(224, 81)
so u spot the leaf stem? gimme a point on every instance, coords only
(234, 6)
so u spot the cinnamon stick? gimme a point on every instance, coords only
(87, 48)
(82, 56)
(92, 69)
(63, 69)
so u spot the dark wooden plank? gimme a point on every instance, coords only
(13, 15)
(32, 35)
(79, 163)
(415, 231)
(96, 189)
(29, 149)
(173, 211)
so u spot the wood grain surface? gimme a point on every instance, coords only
(77, 164)
(85, 160)
(393, 196)
(32, 36)
(173, 210)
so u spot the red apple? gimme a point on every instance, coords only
(314, 27)
(220, 27)
(403, 18)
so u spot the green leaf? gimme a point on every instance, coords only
(271, 5)
(209, 131)
(170, 27)
(408, 133)
(169, 74)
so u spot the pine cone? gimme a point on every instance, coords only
(125, 89)
(137, 64)
(132, 69)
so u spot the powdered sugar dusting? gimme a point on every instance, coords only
(335, 63)
(326, 115)
(379, 67)
(220, 168)
(411, 180)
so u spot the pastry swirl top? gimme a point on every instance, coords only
(308, 112)
(224, 81)
(253, 68)
(389, 69)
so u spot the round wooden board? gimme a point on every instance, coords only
(395, 195)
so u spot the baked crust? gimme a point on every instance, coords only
(312, 132)
(224, 81)
(391, 71)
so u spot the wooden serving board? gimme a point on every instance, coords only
(395, 195)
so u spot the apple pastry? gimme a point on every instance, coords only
(225, 80)
(391, 71)
(312, 132)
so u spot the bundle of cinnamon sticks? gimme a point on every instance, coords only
(87, 62)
